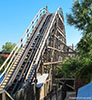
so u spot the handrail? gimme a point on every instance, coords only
(22, 41)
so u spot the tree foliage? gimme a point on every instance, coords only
(77, 67)
(85, 46)
(2, 59)
(81, 16)
(8, 47)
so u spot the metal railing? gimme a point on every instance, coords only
(8, 62)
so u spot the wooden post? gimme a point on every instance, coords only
(3, 96)
(35, 85)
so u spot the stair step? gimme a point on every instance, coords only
(19, 54)
(4, 83)
(6, 80)
(15, 63)
(2, 86)
(18, 57)
(7, 77)
(11, 70)
(26, 57)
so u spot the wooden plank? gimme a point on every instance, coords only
(60, 40)
(61, 18)
(61, 33)
(51, 63)
(4, 93)
(3, 96)
(61, 30)
(49, 47)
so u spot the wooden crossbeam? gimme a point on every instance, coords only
(61, 18)
(59, 29)
(60, 40)
(61, 33)
(5, 94)
(51, 63)
(68, 85)
(49, 47)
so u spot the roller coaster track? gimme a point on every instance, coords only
(44, 34)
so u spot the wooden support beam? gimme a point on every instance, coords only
(68, 85)
(60, 40)
(49, 47)
(5, 94)
(64, 43)
(52, 63)
(61, 18)
(62, 32)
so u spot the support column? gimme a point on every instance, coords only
(3, 96)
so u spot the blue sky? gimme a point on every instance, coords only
(16, 15)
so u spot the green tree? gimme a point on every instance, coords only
(85, 46)
(8, 47)
(81, 16)
(2, 59)
(76, 67)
